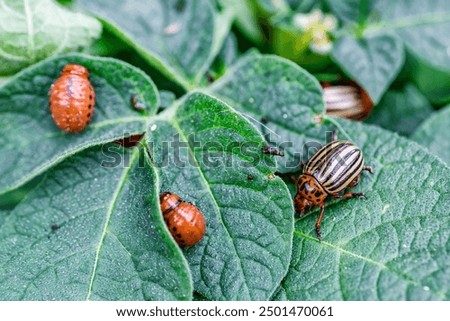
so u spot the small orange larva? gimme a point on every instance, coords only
(72, 99)
(184, 220)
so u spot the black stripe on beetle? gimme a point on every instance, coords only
(332, 169)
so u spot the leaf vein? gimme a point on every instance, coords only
(112, 204)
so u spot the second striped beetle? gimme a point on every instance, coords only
(332, 169)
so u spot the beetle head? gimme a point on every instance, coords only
(309, 193)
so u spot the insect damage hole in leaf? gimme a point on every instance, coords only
(30, 142)
(246, 249)
(111, 245)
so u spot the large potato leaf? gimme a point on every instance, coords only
(180, 38)
(32, 30)
(283, 101)
(392, 245)
(208, 154)
(30, 142)
(92, 230)
(401, 110)
(373, 62)
(433, 134)
(421, 26)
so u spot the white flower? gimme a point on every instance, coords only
(321, 48)
(318, 25)
(330, 22)
(316, 16)
(301, 21)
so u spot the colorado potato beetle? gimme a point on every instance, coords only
(72, 99)
(333, 168)
(347, 100)
(184, 220)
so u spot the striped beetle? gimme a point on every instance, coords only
(332, 169)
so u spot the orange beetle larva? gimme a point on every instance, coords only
(184, 220)
(72, 99)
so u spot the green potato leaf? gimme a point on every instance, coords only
(421, 26)
(372, 62)
(392, 245)
(282, 100)
(92, 230)
(31, 31)
(433, 134)
(30, 142)
(349, 11)
(208, 154)
(180, 38)
(401, 110)
(3, 215)
(246, 18)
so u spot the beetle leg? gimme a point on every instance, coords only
(349, 195)
(368, 168)
(319, 221)
(293, 179)
(301, 214)
(355, 182)
(334, 135)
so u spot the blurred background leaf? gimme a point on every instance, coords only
(434, 134)
(31, 31)
(401, 110)
(179, 38)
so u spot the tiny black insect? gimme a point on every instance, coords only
(137, 104)
(272, 151)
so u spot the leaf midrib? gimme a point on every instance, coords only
(58, 158)
(410, 21)
(206, 184)
(112, 204)
(99, 125)
(246, 110)
(30, 29)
